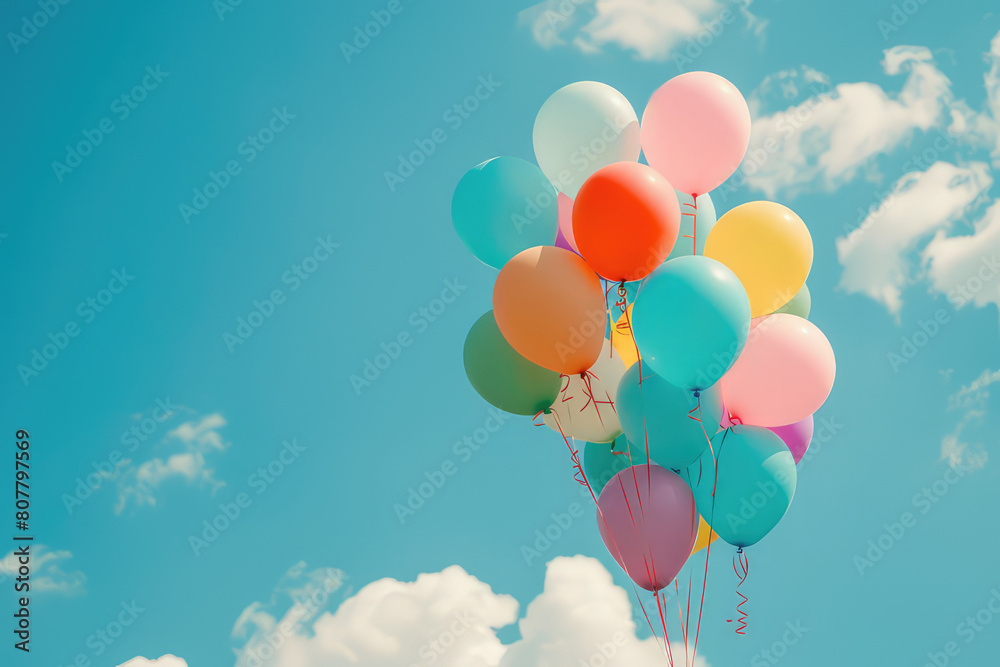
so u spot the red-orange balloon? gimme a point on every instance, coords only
(549, 305)
(625, 220)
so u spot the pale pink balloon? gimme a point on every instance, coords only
(783, 375)
(566, 221)
(695, 131)
(648, 521)
(796, 436)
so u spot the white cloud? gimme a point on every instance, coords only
(972, 400)
(164, 661)
(983, 128)
(447, 618)
(966, 267)
(139, 483)
(47, 573)
(650, 29)
(877, 255)
(827, 139)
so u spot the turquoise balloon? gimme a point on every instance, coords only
(756, 483)
(504, 206)
(800, 304)
(694, 228)
(661, 413)
(601, 463)
(691, 320)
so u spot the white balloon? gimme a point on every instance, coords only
(585, 407)
(582, 127)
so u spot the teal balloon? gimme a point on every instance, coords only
(503, 206)
(601, 462)
(659, 413)
(691, 320)
(756, 483)
(502, 376)
(800, 304)
(694, 229)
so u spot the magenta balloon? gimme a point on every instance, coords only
(648, 521)
(797, 436)
(783, 375)
(561, 242)
(566, 222)
(695, 131)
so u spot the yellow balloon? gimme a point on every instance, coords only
(769, 249)
(622, 340)
(705, 536)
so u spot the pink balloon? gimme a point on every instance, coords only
(566, 221)
(695, 131)
(648, 521)
(797, 436)
(783, 375)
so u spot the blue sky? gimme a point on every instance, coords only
(893, 112)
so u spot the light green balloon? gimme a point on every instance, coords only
(800, 304)
(694, 229)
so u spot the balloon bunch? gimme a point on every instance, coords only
(694, 389)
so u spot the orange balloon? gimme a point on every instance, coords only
(626, 220)
(549, 305)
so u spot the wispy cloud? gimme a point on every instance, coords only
(50, 571)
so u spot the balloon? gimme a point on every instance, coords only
(602, 460)
(659, 537)
(695, 131)
(796, 436)
(625, 221)
(691, 320)
(658, 413)
(549, 306)
(561, 242)
(694, 228)
(769, 249)
(566, 221)
(783, 375)
(502, 376)
(800, 304)
(705, 536)
(502, 207)
(585, 408)
(756, 483)
(582, 127)
(621, 338)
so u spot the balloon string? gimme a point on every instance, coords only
(666, 638)
(694, 225)
(742, 572)
(581, 477)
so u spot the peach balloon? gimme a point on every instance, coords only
(783, 375)
(549, 306)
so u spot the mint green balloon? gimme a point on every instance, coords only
(756, 483)
(800, 304)
(502, 376)
(601, 463)
(503, 206)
